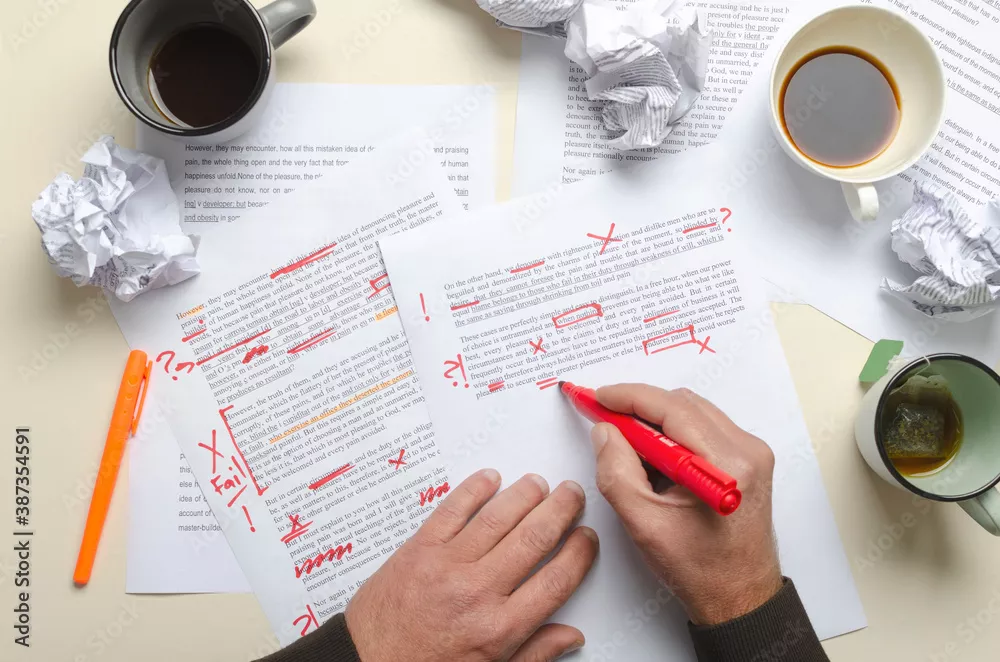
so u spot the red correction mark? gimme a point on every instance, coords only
(704, 345)
(318, 255)
(569, 318)
(547, 383)
(398, 462)
(669, 340)
(465, 305)
(606, 240)
(253, 479)
(256, 351)
(246, 513)
(231, 483)
(296, 530)
(660, 316)
(457, 364)
(180, 367)
(729, 213)
(495, 386)
(312, 342)
(527, 268)
(213, 450)
(379, 285)
(311, 621)
(536, 348)
(329, 556)
(232, 347)
(326, 479)
(698, 227)
(432, 493)
(423, 307)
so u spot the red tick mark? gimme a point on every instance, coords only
(465, 305)
(495, 386)
(527, 268)
(336, 474)
(537, 348)
(246, 513)
(193, 335)
(398, 462)
(318, 255)
(606, 240)
(312, 342)
(699, 227)
(563, 320)
(232, 347)
(296, 530)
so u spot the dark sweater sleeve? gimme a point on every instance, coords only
(330, 643)
(777, 630)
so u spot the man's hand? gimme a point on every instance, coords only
(459, 589)
(719, 567)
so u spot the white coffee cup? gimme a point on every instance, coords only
(916, 68)
(145, 24)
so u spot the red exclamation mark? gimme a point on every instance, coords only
(247, 514)
(423, 307)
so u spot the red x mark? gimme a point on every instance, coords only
(704, 345)
(211, 449)
(399, 460)
(607, 240)
(536, 348)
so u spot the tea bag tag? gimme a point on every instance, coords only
(879, 360)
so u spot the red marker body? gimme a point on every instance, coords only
(710, 484)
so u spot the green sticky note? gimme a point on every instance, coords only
(878, 361)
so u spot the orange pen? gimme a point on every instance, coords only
(124, 421)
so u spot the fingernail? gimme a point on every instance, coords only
(599, 437)
(575, 646)
(591, 535)
(491, 475)
(574, 486)
(541, 482)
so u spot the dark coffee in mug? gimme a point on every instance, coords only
(840, 106)
(202, 75)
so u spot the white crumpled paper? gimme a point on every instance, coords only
(119, 226)
(648, 64)
(959, 259)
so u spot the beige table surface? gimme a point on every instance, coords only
(931, 589)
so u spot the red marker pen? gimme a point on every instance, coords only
(713, 486)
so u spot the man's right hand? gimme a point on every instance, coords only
(719, 567)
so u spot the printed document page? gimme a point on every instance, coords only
(814, 249)
(606, 281)
(310, 132)
(285, 376)
(559, 136)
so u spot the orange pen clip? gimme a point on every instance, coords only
(124, 423)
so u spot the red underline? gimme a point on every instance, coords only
(315, 340)
(699, 227)
(336, 474)
(530, 266)
(466, 305)
(193, 335)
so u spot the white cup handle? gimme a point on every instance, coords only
(985, 509)
(862, 200)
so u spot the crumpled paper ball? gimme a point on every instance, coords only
(118, 227)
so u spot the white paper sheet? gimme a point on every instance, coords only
(170, 546)
(559, 137)
(289, 386)
(598, 284)
(818, 253)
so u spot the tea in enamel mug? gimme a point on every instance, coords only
(840, 106)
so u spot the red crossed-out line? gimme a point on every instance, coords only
(466, 305)
(699, 227)
(232, 347)
(326, 479)
(495, 386)
(318, 255)
(527, 268)
(315, 340)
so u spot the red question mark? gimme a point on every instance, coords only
(729, 212)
